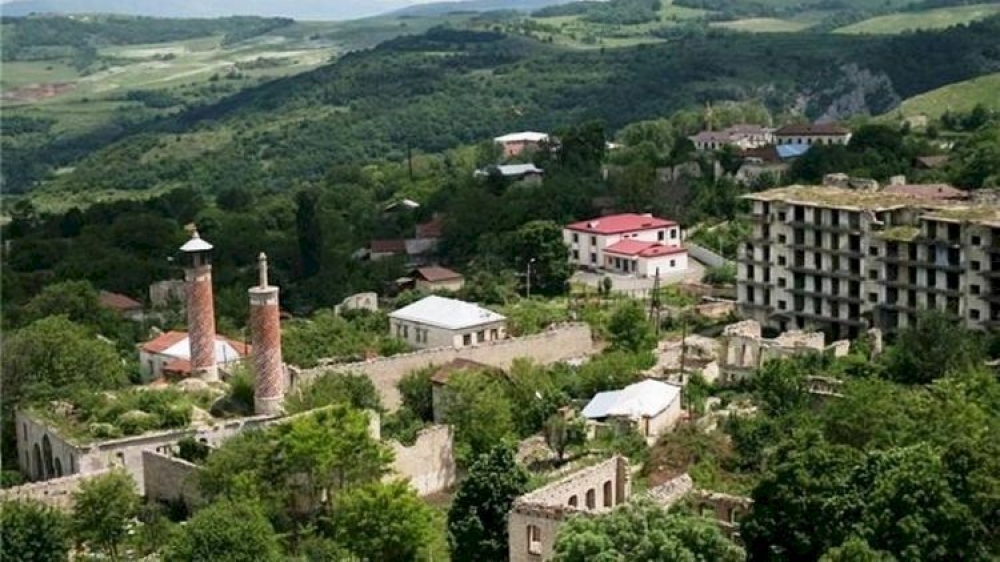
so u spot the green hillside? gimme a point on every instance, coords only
(929, 19)
(762, 25)
(960, 97)
(451, 86)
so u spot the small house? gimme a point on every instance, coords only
(169, 355)
(125, 306)
(436, 278)
(442, 322)
(652, 407)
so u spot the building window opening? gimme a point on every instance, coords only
(534, 540)
(591, 499)
(607, 494)
(574, 501)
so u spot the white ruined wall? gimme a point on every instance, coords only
(170, 479)
(428, 464)
(557, 344)
(57, 493)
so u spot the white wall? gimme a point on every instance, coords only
(587, 243)
(440, 337)
(647, 266)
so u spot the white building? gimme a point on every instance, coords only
(514, 144)
(442, 322)
(170, 354)
(812, 133)
(739, 136)
(653, 407)
(627, 243)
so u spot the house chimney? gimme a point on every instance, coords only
(265, 328)
(200, 308)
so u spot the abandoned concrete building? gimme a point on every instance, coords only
(743, 349)
(843, 260)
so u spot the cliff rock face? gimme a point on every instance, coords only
(853, 90)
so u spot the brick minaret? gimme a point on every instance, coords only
(200, 308)
(265, 328)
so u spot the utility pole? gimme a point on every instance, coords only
(528, 278)
(409, 159)
(654, 303)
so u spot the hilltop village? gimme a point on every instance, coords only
(775, 383)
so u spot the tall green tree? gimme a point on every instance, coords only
(382, 521)
(103, 510)
(629, 329)
(539, 247)
(477, 520)
(935, 346)
(32, 532)
(642, 530)
(226, 531)
(480, 411)
(309, 231)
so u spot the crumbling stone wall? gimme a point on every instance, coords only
(57, 493)
(536, 517)
(744, 350)
(170, 479)
(556, 344)
(727, 510)
(428, 464)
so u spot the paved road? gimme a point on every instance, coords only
(631, 283)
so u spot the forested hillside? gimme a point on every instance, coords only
(449, 87)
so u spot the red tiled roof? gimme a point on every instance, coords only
(928, 191)
(614, 224)
(118, 301)
(178, 366)
(797, 129)
(431, 228)
(388, 246)
(444, 372)
(767, 153)
(643, 249)
(435, 273)
(161, 343)
(164, 341)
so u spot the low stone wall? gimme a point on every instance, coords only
(57, 493)
(716, 310)
(556, 344)
(170, 479)
(706, 256)
(428, 464)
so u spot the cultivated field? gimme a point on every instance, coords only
(930, 19)
(762, 25)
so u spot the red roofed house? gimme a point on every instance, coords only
(387, 248)
(169, 354)
(627, 243)
(126, 306)
(435, 278)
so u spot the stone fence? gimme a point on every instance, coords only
(558, 343)
(428, 464)
(57, 493)
(705, 256)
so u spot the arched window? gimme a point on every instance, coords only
(59, 471)
(591, 499)
(573, 500)
(608, 496)
(534, 539)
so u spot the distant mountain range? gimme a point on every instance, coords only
(297, 9)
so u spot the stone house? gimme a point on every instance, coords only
(442, 322)
(439, 383)
(535, 518)
(436, 278)
(812, 134)
(514, 144)
(125, 306)
(651, 407)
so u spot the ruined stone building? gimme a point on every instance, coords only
(844, 260)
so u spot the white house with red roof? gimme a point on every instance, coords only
(169, 354)
(627, 243)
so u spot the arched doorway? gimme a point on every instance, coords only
(37, 469)
(59, 471)
(47, 457)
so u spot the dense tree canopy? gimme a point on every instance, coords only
(32, 532)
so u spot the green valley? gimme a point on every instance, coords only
(960, 96)
(928, 19)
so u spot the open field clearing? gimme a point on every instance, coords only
(930, 19)
(762, 25)
(961, 96)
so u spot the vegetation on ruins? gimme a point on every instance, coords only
(103, 509)
(477, 520)
(226, 530)
(642, 530)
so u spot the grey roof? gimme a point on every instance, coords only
(642, 399)
(510, 170)
(450, 314)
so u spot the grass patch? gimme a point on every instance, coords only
(931, 19)
(957, 97)
(762, 25)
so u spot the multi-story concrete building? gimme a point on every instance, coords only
(843, 260)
